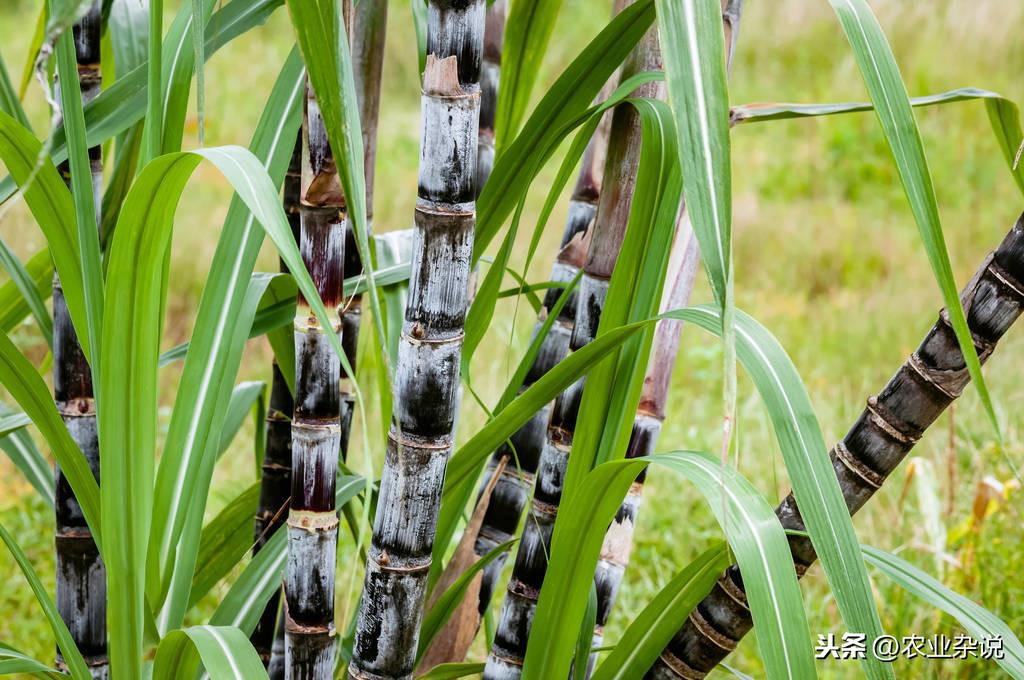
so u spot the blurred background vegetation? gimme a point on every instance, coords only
(827, 257)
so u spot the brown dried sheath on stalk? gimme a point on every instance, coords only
(510, 641)
(316, 421)
(81, 587)
(427, 371)
(650, 414)
(894, 420)
(276, 473)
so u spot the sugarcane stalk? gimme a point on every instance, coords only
(316, 420)
(427, 371)
(685, 260)
(81, 579)
(893, 421)
(276, 477)
(490, 77)
(509, 648)
(369, 21)
(519, 456)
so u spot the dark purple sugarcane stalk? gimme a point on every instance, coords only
(81, 584)
(893, 421)
(490, 77)
(427, 372)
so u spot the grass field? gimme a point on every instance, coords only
(827, 257)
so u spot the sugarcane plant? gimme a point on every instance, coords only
(169, 563)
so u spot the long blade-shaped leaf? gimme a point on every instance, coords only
(82, 190)
(13, 304)
(9, 101)
(528, 31)
(885, 86)
(225, 651)
(208, 373)
(750, 525)
(978, 621)
(30, 293)
(653, 628)
(694, 48)
(22, 451)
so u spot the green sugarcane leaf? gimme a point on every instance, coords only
(822, 505)
(129, 37)
(224, 542)
(694, 50)
(243, 400)
(51, 205)
(21, 449)
(451, 671)
(1004, 116)
(198, 24)
(225, 652)
(35, 44)
(29, 291)
(10, 423)
(123, 104)
(153, 129)
(10, 103)
(276, 310)
(72, 657)
(585, 637)
(612, 392)
(214, 351)
(178, 69)
(419, 24)
(481, 311)
(452, 597)
(12, 661)
(885, 87)
(82, 190)
(527, 34)
(27, 389)
(653, 628)
(979, 622)
(14, 306)
(135, 290)
(753, 532)
(564, 107)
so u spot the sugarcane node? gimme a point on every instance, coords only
(881, 417)
(296, 628)
(441, 77)
(721, 641)
(680, 667)
(312, 521)
(1011, 283)
(407, 440)
(547, 510)
(505, 658)
(732, 591)
(869, 476)
(951, 382)
(520, 589)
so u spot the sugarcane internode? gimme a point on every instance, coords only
(892, 422)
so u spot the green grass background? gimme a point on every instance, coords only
(827, 257)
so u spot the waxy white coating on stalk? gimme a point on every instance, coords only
(427, 372)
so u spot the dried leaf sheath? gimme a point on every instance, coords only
(511, 491)
(427, 371)
(619, 181)
(316, 420)
(81, 581)
(276, 478)
(931, 379)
